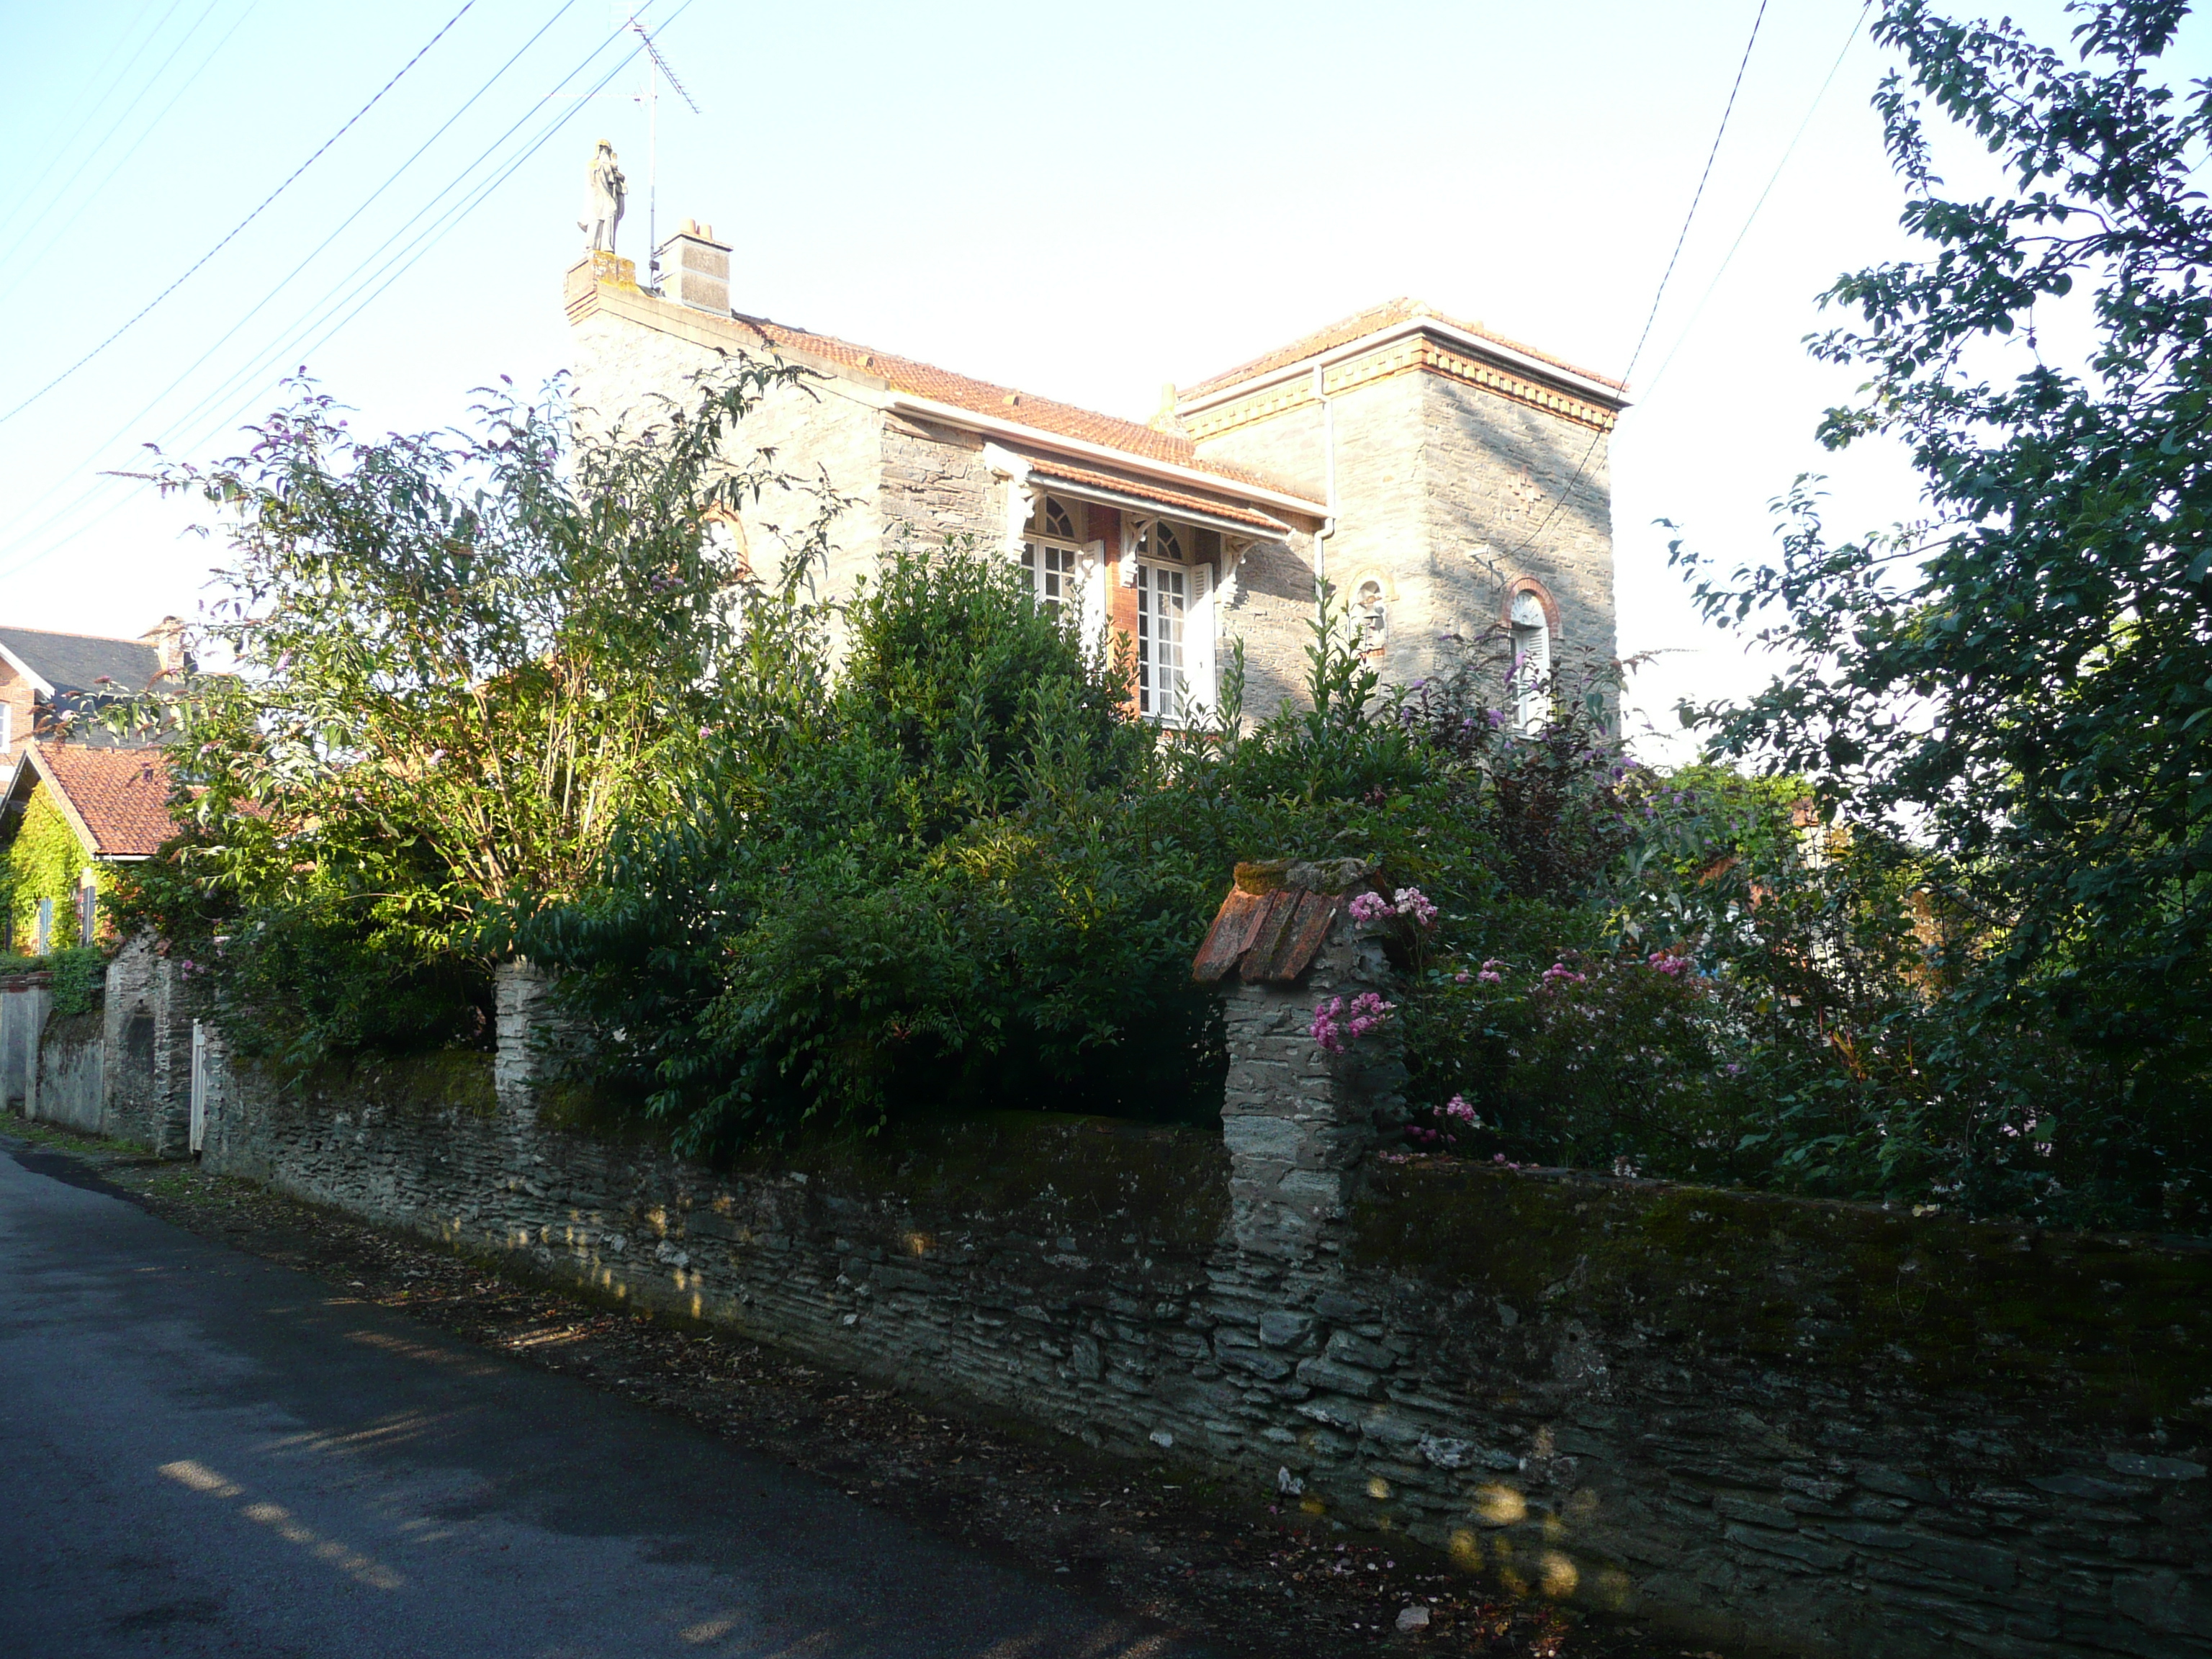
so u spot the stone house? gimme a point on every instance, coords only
(70, 813)
(1449, 484)
(51, 685)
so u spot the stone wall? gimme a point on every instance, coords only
(1447, 496)
(147, 1032)
(24, 1001)
(1835, 1429)
(67, 1090)
(624, 367)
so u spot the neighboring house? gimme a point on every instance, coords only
(70, 814)
(53, 685)
(1451, 485)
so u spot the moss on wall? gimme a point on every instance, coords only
(45, 861)
(417, 1085)
(1157, 1188)
(2104, 1324)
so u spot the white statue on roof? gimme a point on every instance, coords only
(605, 190)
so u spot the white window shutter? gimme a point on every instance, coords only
(1095, 613)
(1198, 643)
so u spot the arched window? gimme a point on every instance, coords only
(1052, 517)
(1528, 683)
(1161, 540)
(1051, 545)
(1370, 611)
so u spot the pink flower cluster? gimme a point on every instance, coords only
(1559, 974)
(1457, 1107)
(1335, 1029)
(1667, 962)
(1410, 902)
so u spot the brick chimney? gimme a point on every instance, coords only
(694, 269)
(167, 636)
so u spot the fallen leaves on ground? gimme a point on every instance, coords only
(1251, 1578)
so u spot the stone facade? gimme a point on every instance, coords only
(1449, 499)
(1413, 474)
(1829, 1429)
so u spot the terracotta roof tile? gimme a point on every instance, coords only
(1370, 321)
(920, 380)
(1052, 470)
(121, 794)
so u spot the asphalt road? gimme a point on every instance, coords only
(200, 1453)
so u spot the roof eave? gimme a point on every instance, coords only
(1034, 437)
(76, 820)
(1525, 363)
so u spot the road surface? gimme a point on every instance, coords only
(202, 1453)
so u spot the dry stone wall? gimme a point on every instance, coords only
(1836, 1429)
(1829, 1429)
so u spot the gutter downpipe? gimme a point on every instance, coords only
(1328, 483)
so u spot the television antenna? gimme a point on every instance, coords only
(656, 66)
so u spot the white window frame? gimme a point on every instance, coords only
(1528, 680)
(1045, 555)
(1189, 702)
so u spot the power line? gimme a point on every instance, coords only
(1696, 197)
(376, 282)
(125, 427)
(1850, 41)
(232, 235)
(85, 200)
(131, 103)
(91, 104)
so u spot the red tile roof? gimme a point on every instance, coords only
(120, 795)
(1052, 470)
(920, 380)
(1373, 320)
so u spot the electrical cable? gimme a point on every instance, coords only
(1682, 339)
(135, 98)
(92, 109)
(85, 200)
(254, 310)
(466, 5)
(375, 282)
(1696, 197)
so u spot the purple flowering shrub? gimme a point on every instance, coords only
(1591, 1059)
(1336, 1027)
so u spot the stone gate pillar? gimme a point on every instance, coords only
(529, 1030)
(1298, 1119)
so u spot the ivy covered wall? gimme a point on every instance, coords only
(45, 861)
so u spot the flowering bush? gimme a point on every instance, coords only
(1335, 1028)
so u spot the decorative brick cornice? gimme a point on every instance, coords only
(1415, 354)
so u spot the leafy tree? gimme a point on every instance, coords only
(452, 662)
(2023, 680)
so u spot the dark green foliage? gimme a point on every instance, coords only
(2023, 680)
(927, 880)
(78, 978)
(455, 661)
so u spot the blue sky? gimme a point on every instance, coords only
(1083, 201)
